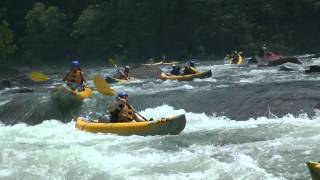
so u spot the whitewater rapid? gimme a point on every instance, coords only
(242, 123)
(209, 148)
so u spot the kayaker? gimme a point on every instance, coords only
(125, 74)
(228, 59)
(190, 68)
(236, 57)
(175, 70)
(75, 78)
(121, 111)
(263, 51)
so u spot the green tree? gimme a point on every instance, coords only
(7, 45)
(46, 33)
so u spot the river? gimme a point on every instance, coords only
(245, 122)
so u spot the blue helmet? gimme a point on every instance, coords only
(192, 63)
(75, 64)
(122, 94)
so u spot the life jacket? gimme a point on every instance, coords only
(228, 59)
(124, 75)
(189, 70)
(75, 77)
(235, 59)
(126, 114)
(175, 71)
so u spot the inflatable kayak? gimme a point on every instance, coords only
(161, 63)
(189, 77)
(116, 80)
(229, 60)
(314, 169)
(163, 126)
(64, 94)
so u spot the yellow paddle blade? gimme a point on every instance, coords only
(36, 76)
(102, 86)
(314, 168)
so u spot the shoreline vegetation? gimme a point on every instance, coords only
(134, 31)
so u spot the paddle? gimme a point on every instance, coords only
(39, 77)
(104, 88)
(112, 61)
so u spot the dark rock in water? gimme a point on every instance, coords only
(290, 67)
(283, 61)
(5, 84)
(24, 90)
(313, 69)
(34, 109)
(18, 81)
(145, 72)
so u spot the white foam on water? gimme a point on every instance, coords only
(5, 102)
(154, 87)
(53, 150)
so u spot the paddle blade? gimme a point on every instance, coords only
(102, 86)
(39, 77)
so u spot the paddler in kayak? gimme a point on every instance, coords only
(263, 51)
(75, 79)
(121, 111)
(125, 73)
(228, 59)
(190, 68)
(175, 70)
(236, 58)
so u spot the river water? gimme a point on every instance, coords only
(243, 123)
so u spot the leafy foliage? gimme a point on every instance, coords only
(137, 30)
(7, 46)
(46, 32)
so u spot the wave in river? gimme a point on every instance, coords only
(213, 147)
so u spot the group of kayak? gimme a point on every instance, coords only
(264, 57)
(121, 117)
(187, 74)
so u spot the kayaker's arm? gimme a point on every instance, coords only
(193, 70)
(66, 77)
(82, 77)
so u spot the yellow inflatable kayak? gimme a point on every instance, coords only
(116, 80)
(65, 94)
(240, 60)
(230, 59)
(189, 77)
(161, 63)
(314, 169)
(163, 126)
